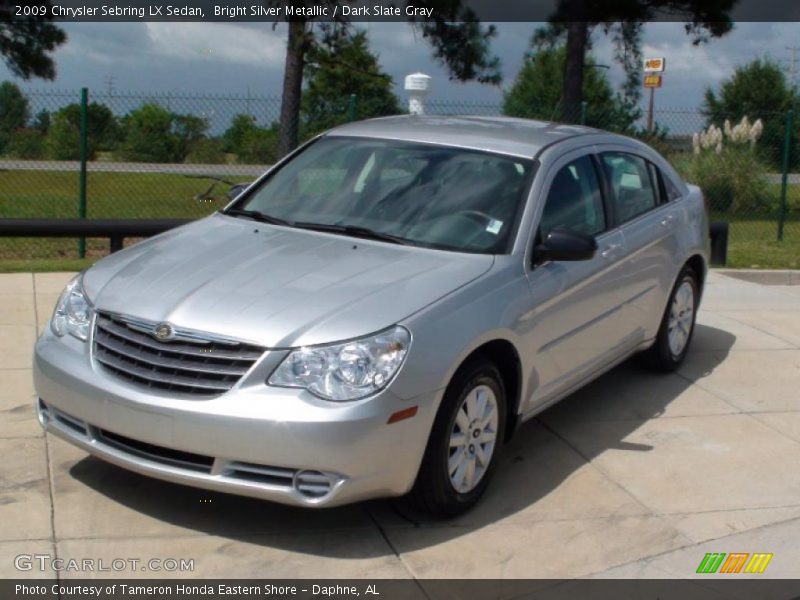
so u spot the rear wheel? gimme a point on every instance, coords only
(464, 443)
(677, 324)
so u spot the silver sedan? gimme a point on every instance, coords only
(379, 312)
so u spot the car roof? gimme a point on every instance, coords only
(505, 135)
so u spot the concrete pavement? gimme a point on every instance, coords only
(637, 475)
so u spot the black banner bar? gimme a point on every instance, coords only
(712, 587)
(353, 11)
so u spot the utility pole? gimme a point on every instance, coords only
(650, 108)
(653, 68)
(793, 63)
(109, 81)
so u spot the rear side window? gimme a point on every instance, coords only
(574, 201)
(672, 190)
(632, 185)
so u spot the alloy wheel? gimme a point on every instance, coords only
(473, 439)
(681, 318)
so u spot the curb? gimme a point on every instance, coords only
(764, 276)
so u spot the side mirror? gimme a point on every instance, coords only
(561, 244)
(236, 189)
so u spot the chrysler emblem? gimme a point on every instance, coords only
(163, 331)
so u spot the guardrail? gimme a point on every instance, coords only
(116, 230)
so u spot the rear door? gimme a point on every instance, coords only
(574, 317)
(649, 224)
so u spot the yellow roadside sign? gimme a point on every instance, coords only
(652, 81)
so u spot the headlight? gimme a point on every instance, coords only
(345, 371)
(73, 313)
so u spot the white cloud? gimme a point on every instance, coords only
(232, 57)
(684, 60)
(227, 42)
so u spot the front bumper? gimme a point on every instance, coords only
(278, 444)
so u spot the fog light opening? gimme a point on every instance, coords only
(312, 484)
(43, 413)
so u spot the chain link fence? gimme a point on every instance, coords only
(747, 166)
(177, 155)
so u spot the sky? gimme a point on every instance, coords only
(240, 58)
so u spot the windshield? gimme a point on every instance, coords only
(423, 194)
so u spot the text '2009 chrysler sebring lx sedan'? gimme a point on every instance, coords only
(379, 312)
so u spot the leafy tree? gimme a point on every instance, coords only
(458, 40)
(25, 42)
(151, 133)
(41, 122)
(757, 90)
(342, 66)
(26, 143)
(536, 93)
(259, 146)
(575, 20)
(251, 144)
(188, 131)
(241, 126)
(63, 135)
(14, 112)
(147, 134)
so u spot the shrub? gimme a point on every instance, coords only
(147, 134)
(206, 151)
(251, 143)
(727, 167)
(26, 143)
(259, 146)
(63, 132)
(151, 133)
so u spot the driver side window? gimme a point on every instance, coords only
(574, 201)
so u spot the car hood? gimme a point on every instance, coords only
(275, 286)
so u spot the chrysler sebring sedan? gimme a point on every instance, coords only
(378, 313)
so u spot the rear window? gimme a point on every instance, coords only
(632, 186)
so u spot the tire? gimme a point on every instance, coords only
(434, 490)
(667, 353)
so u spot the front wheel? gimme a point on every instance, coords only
(677, 324)
(467, 434)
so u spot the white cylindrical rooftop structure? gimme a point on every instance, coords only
(418, 86)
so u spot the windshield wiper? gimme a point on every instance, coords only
(257, 215)
(355, 231)
(352, 230)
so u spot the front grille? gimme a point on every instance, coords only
(191, 363)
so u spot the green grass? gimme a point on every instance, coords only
(32, 194)
(40, 194)
(53, 194)
(44, 265)
(752, 243)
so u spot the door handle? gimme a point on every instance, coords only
(666, 221)
(609, 250)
